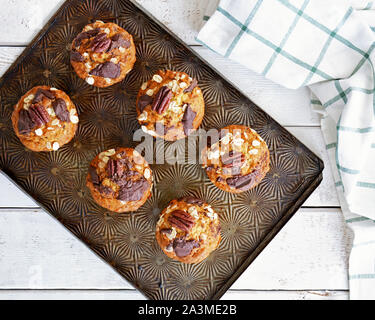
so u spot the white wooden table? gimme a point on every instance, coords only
(40, 259)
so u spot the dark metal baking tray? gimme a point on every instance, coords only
(56, 180)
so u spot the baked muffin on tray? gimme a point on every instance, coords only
(103, 54)
(120, 180)
(170, 105)
(238, 161)
(188, 230)
(44, 119)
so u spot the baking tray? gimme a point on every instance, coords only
(56, 180)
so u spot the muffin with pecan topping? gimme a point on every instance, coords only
(238, 160)
(188, 230)
(120, 179)
(170, 105)
(45, 119)
(103, 54)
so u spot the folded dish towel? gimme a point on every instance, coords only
(327, 45)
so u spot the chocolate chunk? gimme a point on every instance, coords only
(182, 248)
(190, 88)
(25, 123)
(123, 182)
(135, 191)
(101, 43)
(233, 159)
(76, 56)
(40, 93)
(94, 176)
(85, 35)
(192, 200)
(188, 119)
(181, 220)
(118, 41)
(242, 182)
(162, 100)
(38, 114)
(166, 231)
(61, 110)
(143, 102)
(107, 70)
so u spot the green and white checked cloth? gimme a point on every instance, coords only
(326, 45)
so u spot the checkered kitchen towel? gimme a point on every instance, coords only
(327, 45)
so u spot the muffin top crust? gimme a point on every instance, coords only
(170, 105)
(102, 54)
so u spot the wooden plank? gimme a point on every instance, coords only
(288, 107)
(23, 19)
(293, 116)
(36, 252)
(325, 195)
(135, 295)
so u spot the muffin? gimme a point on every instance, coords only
(238, 160)
(44, 119)
(103, 54)
(120, 180)
(170, 105)
(188, 230)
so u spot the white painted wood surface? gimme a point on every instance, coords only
(41, 260)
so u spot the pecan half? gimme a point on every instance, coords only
(162, 100)
(101, 43)
(115, 169)
(182, 220)
(233, 159)
(85, 35)
(38, 114)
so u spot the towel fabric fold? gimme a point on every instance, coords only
(327, 45)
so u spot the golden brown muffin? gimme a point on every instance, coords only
(170, 105)
(44, 119)
(120, 179)
(238, 161)
(188, 230)
(103, 54)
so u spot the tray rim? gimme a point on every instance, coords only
(307, 191)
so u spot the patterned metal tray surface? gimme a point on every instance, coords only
(56, 180)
